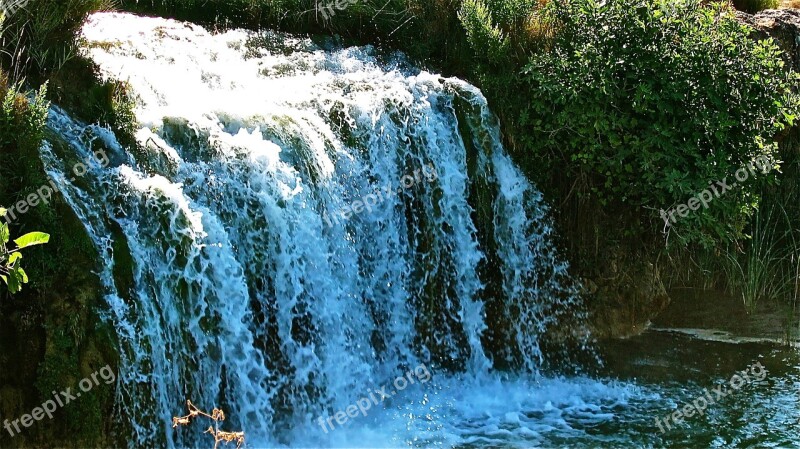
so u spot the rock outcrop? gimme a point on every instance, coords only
(783, 25)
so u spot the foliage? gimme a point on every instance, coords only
(11, 271)
(21, 127)
(42, 36)
(486, 38)
(754, 6)
(647, 103)
(21, 120)
(503, 31)
(759, 271)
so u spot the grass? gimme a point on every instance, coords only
(766, 266)
(754, 6)
(41, 38)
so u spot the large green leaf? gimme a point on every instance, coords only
(31, 239)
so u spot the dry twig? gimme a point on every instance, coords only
(217, 415)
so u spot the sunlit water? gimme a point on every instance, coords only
(298, 227)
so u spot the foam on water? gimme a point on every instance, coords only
(460, 411)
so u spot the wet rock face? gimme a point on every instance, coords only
(48, 342)
(783, 25)
(625, 298)
(21, 345)
(51, 337)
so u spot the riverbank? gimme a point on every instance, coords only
(720, 316)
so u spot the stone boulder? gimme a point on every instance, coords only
(783, 25)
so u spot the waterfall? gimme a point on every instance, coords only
(298, 226)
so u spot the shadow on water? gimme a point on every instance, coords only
(677, 369)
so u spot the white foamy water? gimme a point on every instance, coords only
(236, 277)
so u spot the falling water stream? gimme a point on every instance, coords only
(299, 226)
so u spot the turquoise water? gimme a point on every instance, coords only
(673, 370)
(644, 378)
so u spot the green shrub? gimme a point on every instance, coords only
(754, 6)
(502, 31)
(501, 35)
(484, 36)
(21, 120)
(647, 103)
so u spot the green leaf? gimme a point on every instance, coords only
(23, 276)
(13, 257)
(32, 239)
(3, 212)
(13, 283)
(4, 234)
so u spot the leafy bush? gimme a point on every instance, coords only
(647, 103)
(21, 120)
(484, 36)
(502, 31)
(22, 124)
(754, 6)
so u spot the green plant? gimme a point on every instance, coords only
(11, 272)
(754, 6)
(503, 31)
(648, 102)
(765, 265)
(22, 123)
(22, 120)
(41, 37)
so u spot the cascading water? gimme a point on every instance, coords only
(299, 227)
